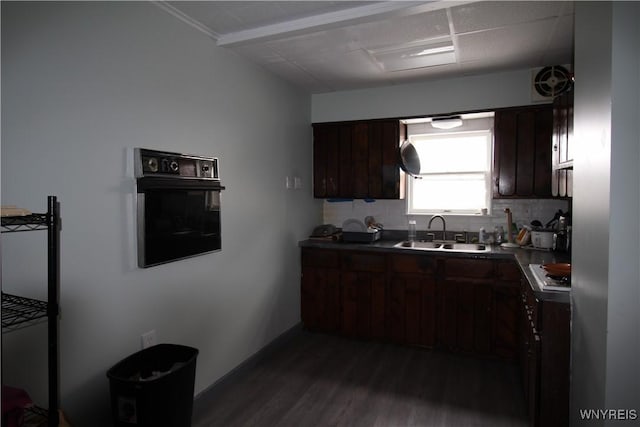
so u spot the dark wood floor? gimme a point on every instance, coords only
(322, 380)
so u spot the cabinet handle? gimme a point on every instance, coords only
(555, 147)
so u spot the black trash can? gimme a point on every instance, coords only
(154, 387)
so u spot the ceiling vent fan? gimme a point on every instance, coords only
(550, 82)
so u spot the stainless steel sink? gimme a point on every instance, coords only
(465, 247)
(442, 247)
(418, 245)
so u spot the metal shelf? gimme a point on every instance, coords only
(37, 221)
(21, 311)
(35, 416)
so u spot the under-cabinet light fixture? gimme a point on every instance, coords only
(449, 122)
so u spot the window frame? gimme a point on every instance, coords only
(483, 126)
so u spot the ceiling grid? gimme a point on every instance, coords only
(325, 46)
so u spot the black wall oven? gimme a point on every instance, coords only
(178, 203)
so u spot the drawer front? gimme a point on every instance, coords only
(469, 268)
(412, 264)
(508, 271)
(324, 258)
(359, 261)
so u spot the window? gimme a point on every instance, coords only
(455, 173)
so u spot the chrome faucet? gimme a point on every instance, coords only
(444, 225)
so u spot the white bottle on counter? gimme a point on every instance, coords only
(411, 231)
(482, 235)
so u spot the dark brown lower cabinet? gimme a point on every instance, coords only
(320, 290)
(466, 305)
(483, 307)
(545, 359)
(555, 342)
(412, 300)
(363, 305)
(412, 310)
(465, 316)
(505, 320)
(363, 293)
(529, 355)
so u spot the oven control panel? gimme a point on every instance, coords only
(165, 164)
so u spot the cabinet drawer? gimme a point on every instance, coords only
(356, 261)
(319, 258)
(412, 264)
(470, 268)
(508, 271)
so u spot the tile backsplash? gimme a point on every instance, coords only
(392, 213)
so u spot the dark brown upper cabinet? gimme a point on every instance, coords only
(358, 159)
(563, 131)
(522, 152)
(563, 145)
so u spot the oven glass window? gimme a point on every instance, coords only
(180, 223)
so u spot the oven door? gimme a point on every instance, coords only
(177, 218)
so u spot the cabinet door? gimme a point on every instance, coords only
(360, 161)
(555, 350)
(522, 152)
(505, 320)
(385, 180)
(506, 309)
(563, 142)
(363, 294)
(320, 299)
(363, 304)
(320, 290)
(332, 160)
(357, 159)
(465, 316)
(533, 383)
(412, 310)
(563, 130)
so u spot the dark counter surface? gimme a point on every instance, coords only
(523, 257)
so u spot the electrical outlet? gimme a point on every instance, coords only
(148, 339)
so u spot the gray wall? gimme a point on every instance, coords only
(506, 89)
(82, 85)
(606, 295)
(623, 316)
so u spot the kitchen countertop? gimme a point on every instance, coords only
(523, 257)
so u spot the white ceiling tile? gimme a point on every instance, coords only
(557, 57)
(349, 66)
(259, 54)
(395, 31)
(212, 14)
(298, 76)
(317, 43)
(494, 14)
(508, 42)
(489, 36)
(562, 37)
(225, 17)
